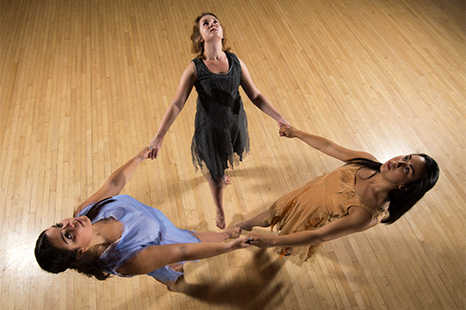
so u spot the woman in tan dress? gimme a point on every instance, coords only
(352, 198)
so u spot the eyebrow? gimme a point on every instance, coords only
(412, 168)
(61, 235)
(207, 18)
(64, 240)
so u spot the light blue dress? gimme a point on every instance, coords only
(143, 226)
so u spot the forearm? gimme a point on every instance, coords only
(170, 115)
(157, 256)
(317, 142)
(122, 175)
(193, 251)
(303, 238)
(266, 106)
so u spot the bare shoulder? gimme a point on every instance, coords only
(361, 218)
(190, 71)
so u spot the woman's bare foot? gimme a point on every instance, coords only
(233, 233)
(220, 220)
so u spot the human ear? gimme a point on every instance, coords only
(81, 252)
(402, 188)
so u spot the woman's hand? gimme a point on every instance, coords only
(155, 145)
(260, 240)
(143, 154)
(282, 123)
(239, 243)
(288, 132)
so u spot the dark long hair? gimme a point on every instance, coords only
(402, 201)
(56, 260)
(198, 46)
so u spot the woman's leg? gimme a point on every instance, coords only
(258, 220)
(217, 194)
(232, 233)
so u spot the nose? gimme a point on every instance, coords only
(70, 223)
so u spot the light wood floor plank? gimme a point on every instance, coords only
(84, 85)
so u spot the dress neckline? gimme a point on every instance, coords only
(229, 65)
(378, 207)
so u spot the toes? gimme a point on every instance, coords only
(221, 224)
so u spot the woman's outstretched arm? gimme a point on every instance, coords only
(324, 145)
(357, 220)
(158, 256)
(176, 105)
(117, 180)
(258, 98)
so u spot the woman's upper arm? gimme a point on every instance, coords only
(104, 192)
(345, 154)
(185, 85)
(358, 219)
(152, 258)
(247, 83)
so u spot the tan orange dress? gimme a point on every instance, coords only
(319, 202)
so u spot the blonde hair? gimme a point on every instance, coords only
(198, 46)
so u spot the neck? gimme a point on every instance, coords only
(97, 238)
(213, 51)
(373, 188)
(381, 187)
(105, 232)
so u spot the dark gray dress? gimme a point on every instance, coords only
(220, 137)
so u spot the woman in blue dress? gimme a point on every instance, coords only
(220, 137)
(116, 234)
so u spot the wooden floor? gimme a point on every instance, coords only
(84, 85)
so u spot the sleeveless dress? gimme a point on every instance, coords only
(220, 137)
(143, 226)
(317, 203)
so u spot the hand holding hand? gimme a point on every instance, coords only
(288, 132)
(260, 240)
(143, 154)
(155, 145)
(239, 243)
(283, 123)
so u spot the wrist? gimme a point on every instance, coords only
(229, 246)
(233, 245)
(298, 134)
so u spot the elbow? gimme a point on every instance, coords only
(177, 106)
(319, 238)
(183, 253)
(256, 98)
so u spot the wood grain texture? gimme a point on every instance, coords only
(84, 85)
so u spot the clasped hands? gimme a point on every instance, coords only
(260, 240)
